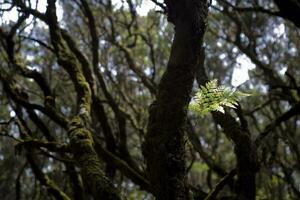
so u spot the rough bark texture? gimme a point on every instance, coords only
(88, 161)
(79, 132)
(246, 156)
(164, 145)
(244, 147)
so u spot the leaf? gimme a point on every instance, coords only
(212, 97)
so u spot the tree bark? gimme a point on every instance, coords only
(164, 147)
(244, 147)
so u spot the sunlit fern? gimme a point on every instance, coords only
(213, 97)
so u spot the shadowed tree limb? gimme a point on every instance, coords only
(224, 181)
(164, 142)
(78, 129)
(295, 110)
(119, 114)
(245, 149)
(50, 185)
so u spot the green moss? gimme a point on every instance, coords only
(78, 133)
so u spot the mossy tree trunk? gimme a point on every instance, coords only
(164, 147)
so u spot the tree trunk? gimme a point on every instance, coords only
(164, 143)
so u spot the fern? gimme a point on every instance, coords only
(212, 97)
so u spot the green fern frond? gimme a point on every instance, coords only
(213, 97)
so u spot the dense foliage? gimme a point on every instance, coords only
(94, 103)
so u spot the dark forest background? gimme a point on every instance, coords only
(94, 104)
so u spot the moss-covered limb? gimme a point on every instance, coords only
(51, 186)
(118, 113)
(121, 165)
(38, 122)
(62, 150)
(39, 79)
(18, 64)
(68, 61)
(94, 49)
(85, 64)
(41, 125)
(75, 179)
(45, 180)
(89, 76)
(91, 169)
(96, 103)
(51, 146)
(17, 94)
(79, 134)
(164, 147)
(81, 85)
(56, 116)
(35, 75)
